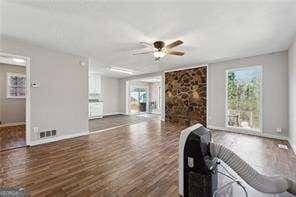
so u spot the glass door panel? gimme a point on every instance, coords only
(138, 100)
(155, 100)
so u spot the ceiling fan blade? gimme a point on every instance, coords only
(141, 53)
(146, 44)
(174, 44)
(180, 53)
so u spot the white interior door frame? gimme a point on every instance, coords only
(28, 91)
(239, 68)
(148, 97)
(127, 97)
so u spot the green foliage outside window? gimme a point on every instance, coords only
(243, 97)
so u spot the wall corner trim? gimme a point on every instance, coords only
(293, 146)
(54, 139)
(259, 134)
(113, 114)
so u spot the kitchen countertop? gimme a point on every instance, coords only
(95, 101)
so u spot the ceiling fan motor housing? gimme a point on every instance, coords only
(159, 45)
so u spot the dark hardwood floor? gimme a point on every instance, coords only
(12, 136)
(113, 121)
(136, 160)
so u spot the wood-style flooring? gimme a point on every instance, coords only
(12, 136)
(99, 124)
(137, 160)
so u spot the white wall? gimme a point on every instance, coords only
(111, 95)
(61, 101)
(292, 94)
(275, 90)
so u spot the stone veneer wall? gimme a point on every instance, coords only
(186, 96)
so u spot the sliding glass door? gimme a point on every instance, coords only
(155, 98)
(243, 98)
(138, 100)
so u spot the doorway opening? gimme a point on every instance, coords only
(14, 101)
(138, 100)
(145, 96)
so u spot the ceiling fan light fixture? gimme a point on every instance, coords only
(161, 49)
(158, 54)
(121, 70)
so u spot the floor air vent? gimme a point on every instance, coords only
(46, 134)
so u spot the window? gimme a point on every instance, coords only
(16, 85)
(243, 98)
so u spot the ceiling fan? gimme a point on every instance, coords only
(161, 49)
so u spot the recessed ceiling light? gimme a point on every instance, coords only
(121, 70)
(18, 60)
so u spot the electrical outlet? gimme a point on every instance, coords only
(35, 129)
(279, 130)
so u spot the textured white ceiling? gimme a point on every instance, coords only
(149, 79)
(108, 32)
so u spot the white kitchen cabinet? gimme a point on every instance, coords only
(95, 100)
(94, 83)
(95, 109)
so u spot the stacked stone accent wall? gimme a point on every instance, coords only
(185, 96)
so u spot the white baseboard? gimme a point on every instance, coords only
(107, 114)
(54, 139)
(102, 130)
(260, 134)
(12, 124)
(113, 114)
(94, 117)
(293, 146)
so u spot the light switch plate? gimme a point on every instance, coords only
(35, 84)
(190, 162)
(35, 129)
